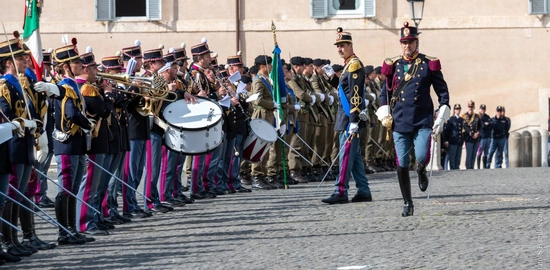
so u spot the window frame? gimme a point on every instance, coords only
(358, 12)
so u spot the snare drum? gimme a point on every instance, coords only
(194, 129)
(262, 135)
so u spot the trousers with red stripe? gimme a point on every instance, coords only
(351, 165)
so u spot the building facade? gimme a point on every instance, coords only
(491, 51)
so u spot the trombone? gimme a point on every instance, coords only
(152, 87)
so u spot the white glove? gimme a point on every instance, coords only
(30, 124)
(43, 144)
(297, 107)
(313, 99)
(442, 117)
(366, 102)
(328, 70)
(382, 112)
(16, 126)
(322, 97)
(50, 88)
(275, 105)
(373, 95)
(331, 100)
(282, 130)
(92, 124)
(353, 127)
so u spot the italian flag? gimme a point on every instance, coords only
(31, 34)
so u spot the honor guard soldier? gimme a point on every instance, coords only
(120, 144)
(485, 134)
(235, 64)
(351, 89)
(201, 86)
(139, 131)
(409, 78)
(472, 126)
(70, 146)
(97, 110)
(453, 136)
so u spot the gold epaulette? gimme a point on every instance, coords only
(89, 90)
(431, 58)
(70, 92)
(391, 61)
(5, 91)
(354, 65)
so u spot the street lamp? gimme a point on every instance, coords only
(417, 10)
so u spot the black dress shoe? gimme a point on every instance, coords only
(121, 218)
(259, 183)
(160, 209)
(113, 220)
(361, 198)
(67, 239)
(13, 250)
(104, 226)
(220, 192)
(231, 191)
(185, 199)
(173, 203)
(198, 196)
(8, 257)
(243, 190)
(335, 199)
(34, 242)
(86, 239)
(29, 248)
(46, 202)
(210, 195)
(408, 209)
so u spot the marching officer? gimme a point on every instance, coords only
(351, 89)
(409, 78)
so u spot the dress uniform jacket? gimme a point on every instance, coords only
(241, 116)
(351, 93)
(303, 97)
(265, 104)
(472, 124)
(115, 144)
(97, 109)
(139, 128)
(454, 130)
(413, 107)
(121, 114)
(12, 103)
(70, 120)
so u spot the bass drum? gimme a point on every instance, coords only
(262, 135)
(194, 129)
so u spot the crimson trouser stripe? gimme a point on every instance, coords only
(344, 170)
(125, 177)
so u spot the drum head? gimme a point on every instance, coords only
(205, 113)
(263, 129)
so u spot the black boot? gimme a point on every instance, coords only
(478, 161)
(30, 241)
(71, 213)
(62, 215)
(16, 215)
(423, 180)
(8, 236)
(405, 185)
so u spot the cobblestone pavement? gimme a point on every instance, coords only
(488, 219)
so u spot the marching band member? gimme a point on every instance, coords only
(71, 127)
(14, 104)
(171, 159)
(236, 65)
(97, 109)
(200, 86)
(154, 60)
(119, 145)
(139, 134)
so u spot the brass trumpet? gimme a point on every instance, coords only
(153, 87)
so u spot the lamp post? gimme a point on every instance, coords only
(417, 10)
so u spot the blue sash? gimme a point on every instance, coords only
(270, 90)
(343, 100)
(30, 74)
(15, 82)
(71, 83)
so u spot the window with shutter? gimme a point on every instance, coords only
(538, 7)
(104, 10)
(343, 8)
(154, 10)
